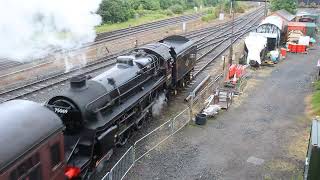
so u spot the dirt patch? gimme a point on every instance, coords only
(280, 165)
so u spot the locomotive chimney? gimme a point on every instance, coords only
(78, 82)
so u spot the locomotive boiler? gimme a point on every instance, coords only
(102, 111)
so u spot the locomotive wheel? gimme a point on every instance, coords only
(124, 138)
(139, 124)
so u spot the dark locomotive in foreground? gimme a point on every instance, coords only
(101, 112)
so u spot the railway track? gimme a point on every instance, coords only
(104, 63)
(120, 151)
(6, 63)
(117, 34)
(108, 36)
(218, 49)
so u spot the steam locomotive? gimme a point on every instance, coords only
(101, 112)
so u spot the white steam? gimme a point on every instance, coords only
(34, 28)
(159, 104)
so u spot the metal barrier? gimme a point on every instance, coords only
(154, 138)
(122, 167)
(205, 96)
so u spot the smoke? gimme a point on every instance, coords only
(72, 60)
(35, 28)
(159, 104)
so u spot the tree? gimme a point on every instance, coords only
(165, 4)
(146, 4)
(113, 11)
(210, 2)
(289, 5)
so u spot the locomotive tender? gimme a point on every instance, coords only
(101, 112)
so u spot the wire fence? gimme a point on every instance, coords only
(154, 138)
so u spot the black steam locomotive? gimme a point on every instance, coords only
(102, 111)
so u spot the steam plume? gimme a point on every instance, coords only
(158, 105)
(35, 28)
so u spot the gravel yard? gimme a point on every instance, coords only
(263, 136)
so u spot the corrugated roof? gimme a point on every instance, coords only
(275, 20)
(285, 15)
(303, 13)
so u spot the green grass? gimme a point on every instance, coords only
(212, 14)
(315, 100)
(132, 22)
(149, 16)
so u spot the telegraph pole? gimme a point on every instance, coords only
(265, 9)
(232, 31)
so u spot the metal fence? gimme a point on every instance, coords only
(204, 97)
(153, 139)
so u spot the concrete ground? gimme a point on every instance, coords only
(263, 136)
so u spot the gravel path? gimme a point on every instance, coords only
(263, 136)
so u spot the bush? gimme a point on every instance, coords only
(142, 12)
(177, 9)
(145, 4)
(113, 11)
(240, 9)
(289, 5)
(212, 13)
(168, 12)
(208, 17)
(211, 2)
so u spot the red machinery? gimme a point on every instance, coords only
(235, 72)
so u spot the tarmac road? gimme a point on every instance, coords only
(263, 135)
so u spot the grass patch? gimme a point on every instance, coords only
(315, 99)
(211, 14)
(280, 165)
(132, 22)
(145, 16)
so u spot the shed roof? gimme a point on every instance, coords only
(303, 13)
(23, 125)
(285, 15)
(275, 20)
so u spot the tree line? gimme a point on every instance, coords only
(113, 11)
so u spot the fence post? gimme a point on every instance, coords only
(172, 125)
(191, 106)
(134, 153)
